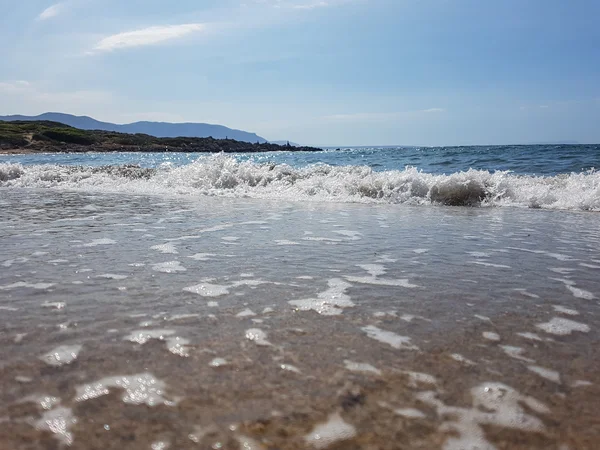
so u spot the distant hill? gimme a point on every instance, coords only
(53, 137)
(156, 129)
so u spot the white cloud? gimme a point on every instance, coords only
(147, 36)
(433, 110)
(51, 11)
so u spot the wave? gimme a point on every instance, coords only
(221, 175)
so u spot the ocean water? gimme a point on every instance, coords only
(360, 298)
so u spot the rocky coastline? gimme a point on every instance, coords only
(52, 137)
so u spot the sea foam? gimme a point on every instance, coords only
(222, 175)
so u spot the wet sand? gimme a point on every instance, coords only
(221, 323)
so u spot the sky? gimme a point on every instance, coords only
(316, 72)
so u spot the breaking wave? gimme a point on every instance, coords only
(221, 175)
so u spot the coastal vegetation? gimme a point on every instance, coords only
(47, 137)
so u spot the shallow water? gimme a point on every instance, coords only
(147, 321)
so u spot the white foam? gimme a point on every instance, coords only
(258, 336)
(245, 313)
(491, 336)
(493, 404)
(378, 282)
(390, 338)
(361, 367)
(479, 254)
(373, 269)
(178, 346)
(581, 383)
(551, 375)
(516, 353)
(23, 284)
(58, 421)
(461, 359)
(202, 256)
(410, 413)
(562, 327)
(487, 264)
(416, 378)
(483, 318)
(289, 368)
(589, 266)
(142, 388)
(62, 355)
(335, 429)
(112, 276)
(581, 293)
(97, 242)
(218, 362)
(353, 235)
(208, 289)
(165, 248)
(175, 344)
(169, 267)
(160, 445)
(563, 310)
(329, 302)
(420, 251)
(530, 336)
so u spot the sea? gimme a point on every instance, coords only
(351, 298)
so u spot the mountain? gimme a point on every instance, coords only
(156, 129)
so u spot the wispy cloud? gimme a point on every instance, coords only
(51, 11)
(433, 110)
(147, 36)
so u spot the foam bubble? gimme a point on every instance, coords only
(581, 293)
(285, 242)
(208, 289)
(563, 310)
(23, 284)
(516, 353)
(530, 336)
(202, 256)
(258, 336)
(329, 302)
(551, 375)
(97, 242)
(461, 359)
(289, 368)
(62, 355)
(410, 413)
(58, 421)
(491, 336)
(493, 404)
(165, 248)
(218, 362)
(245, 313)
(361, 367)
(169, 267)
(416, 378)
(562, 327)
(112, 276)
(390, 338)
(142, 388)
(335, 429)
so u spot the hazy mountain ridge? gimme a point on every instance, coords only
(156, 129)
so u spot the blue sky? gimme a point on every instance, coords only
(318, 72)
